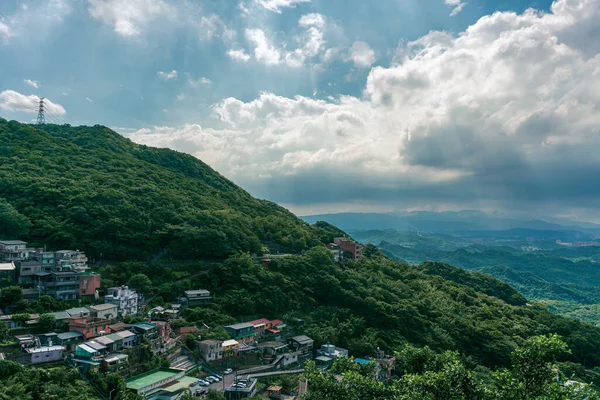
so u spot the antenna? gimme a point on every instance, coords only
(41, 119)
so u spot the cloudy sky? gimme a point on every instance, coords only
(333, 105)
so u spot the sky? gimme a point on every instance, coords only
(333, 105)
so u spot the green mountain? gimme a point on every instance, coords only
(89, 188)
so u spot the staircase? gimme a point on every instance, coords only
(183, 362)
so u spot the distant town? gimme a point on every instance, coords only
(114, 330)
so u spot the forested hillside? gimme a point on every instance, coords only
(91, 189)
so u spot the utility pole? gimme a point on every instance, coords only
(41, 118)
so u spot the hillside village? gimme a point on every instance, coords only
(115, 330)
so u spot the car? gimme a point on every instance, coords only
(202, 382)
(240, 385)
(212, 379)
(228, 371)
(217, 377)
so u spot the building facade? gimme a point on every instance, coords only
(211, 350)
(124, 298)
(243, 332)
(349, 246)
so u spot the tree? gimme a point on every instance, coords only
(3, 331)
(214, 395)
(141, 282)
(46, 303)
(12, 223)
(11, 295)
(46, 322)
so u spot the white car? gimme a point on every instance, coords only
(228, 371)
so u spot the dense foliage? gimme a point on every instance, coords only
(567, 280)
(89, 187)
(425, 375)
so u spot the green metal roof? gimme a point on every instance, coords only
(148, 378)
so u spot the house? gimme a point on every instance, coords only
(119, 326)
(145, 330)
(260, 326)
(230, 348)
(13, 250)
(71, 259)
(331, 351)
(45, 354)
(89, 283)
(386, 364)
(188, 330)
(114, 362)
(78, 312)
(60, 284)
(349, 246)
(289, 359)
(48, 339)
(271, 349)
(68, 339)
(88, 352)
(124, 298)
(25, 341)
(104, 311)
(243, 332)
(323, 362)
(107, 342)
(162, 384)
(8, 271)
(195, 297)
(302, 344)
(234, 393)
(211, 350)
(62, 318)
(129, 339)
(90, 327)
(163, 330)
(338, 253)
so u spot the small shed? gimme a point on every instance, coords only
(274, 392)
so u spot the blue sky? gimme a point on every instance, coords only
(330, 105)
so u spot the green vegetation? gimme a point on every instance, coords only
(91, 189)
(567, 280)
(425, 375)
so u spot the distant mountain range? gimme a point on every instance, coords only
(462, 223)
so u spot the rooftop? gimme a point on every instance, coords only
(78, 311)
(125, 334)
(181, 383)
(242, 325)
(69, 335)
(151, 377)
(212, 341)
(361, 361)
(12, 242)
(104, 340)
(103, 307)
(303, 339)
(230, 342)
(116, 357)
(259, 321)
(196, 292)
(45, 349)
(59, 315)
(7, 266)
(145, 326)
(95, 345)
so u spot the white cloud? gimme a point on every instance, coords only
(505, 112)
(89, 100)
(238, 55)
(362, 55)
(180, 97)
(5, 31)
(15, 101)
(34, 84)
(200, 82)
(277, 5)
(264, 51)
(167, 76)
(457, 6)
(212, 26)
(128, 17)
(310, 41)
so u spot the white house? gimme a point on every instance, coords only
(126, 299)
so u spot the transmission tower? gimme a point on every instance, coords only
(41, 118)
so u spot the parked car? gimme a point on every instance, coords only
(228, 371)
(212, 379)
(202, 382)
